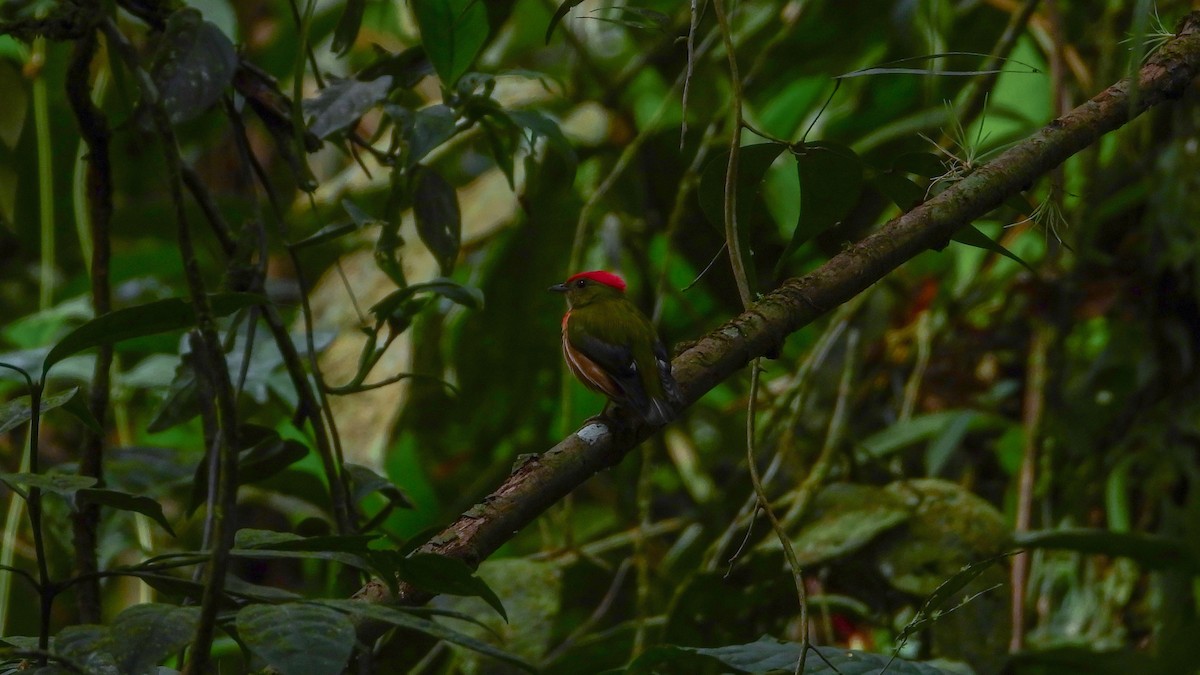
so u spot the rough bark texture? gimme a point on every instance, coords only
(542, 480)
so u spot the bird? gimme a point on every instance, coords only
(612, 347)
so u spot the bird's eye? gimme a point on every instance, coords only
(580, 284)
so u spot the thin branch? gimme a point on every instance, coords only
(94, 130)
(732, 240)
(1031, 414)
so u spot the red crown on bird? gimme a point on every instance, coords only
(601, 277)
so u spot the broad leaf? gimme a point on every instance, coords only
(394, 301)
(65, 484)
(194, 64)
(125, 502)
(151, 318)
(831, 177)
(340, 104)
(452, 32)
(18, 411)
(144, 635)
(286, 541)
(439, 222)
(364, 481)
(298, 638)
(399, 617)
(451, 576)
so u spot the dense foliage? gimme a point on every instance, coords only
(274, 281)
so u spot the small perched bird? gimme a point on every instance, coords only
(613, 348)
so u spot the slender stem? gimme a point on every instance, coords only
(95, 134)
(1032, 407)
(764, 503)
(45, 155)
(732, 240)
(46, 589)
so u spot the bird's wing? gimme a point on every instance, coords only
(617, 360)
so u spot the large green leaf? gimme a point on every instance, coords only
(452, 32)
(831, 178)
(194, 64)
(151, 318)
(298, 638)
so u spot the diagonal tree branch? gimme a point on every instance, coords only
(543, 480)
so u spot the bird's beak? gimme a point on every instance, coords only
(558, 288)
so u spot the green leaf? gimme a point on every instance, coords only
(125, 502)
(259, 459)
(151, 318)
(12, 113)
(144, 635)
(1148, 550)
(769, 655)
(424, 129)
(78, 407)
(248, 538)
(399, 617)
(753, 162)
(898, 188)
(364, 481)
(65, 484)
(298, 638)
(194, 64)
(846, 518)
(182, 402)
(347, 28)
(463, 295)
(895, 67)
(920, 428)
(559, 13)
(831, 178)
(452, 32)
(450, 576)
(342, 102)
(945, 443)
(18, 411)
(924, 164)
(439, 222)
(971, 236)
(541, 125)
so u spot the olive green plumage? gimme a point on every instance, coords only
(612, 347)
